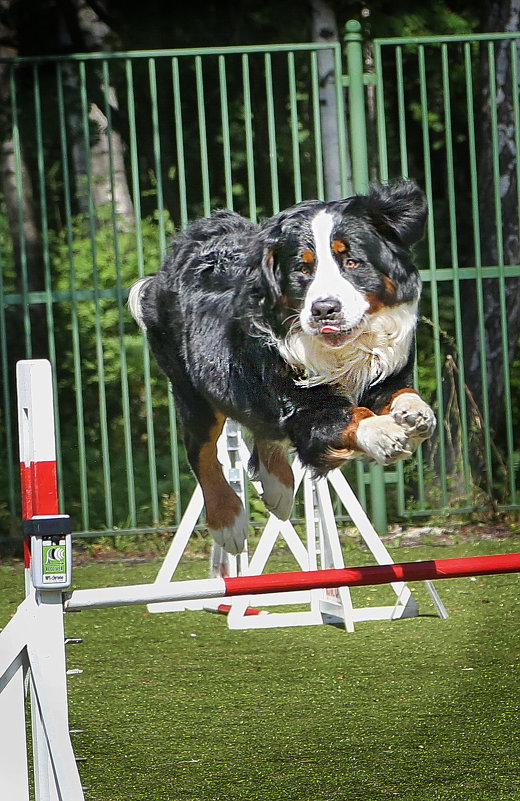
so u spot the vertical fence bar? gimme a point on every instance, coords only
(43, 211)
(136, 192)
(433, 269)
(123, 364)
(9, 450)
(204, 164)
(500, 263)
(384, 177)
(344, 161)
(382, 145)
(76, 347)
(360, 178)
(295, 139)
(404, 171)
(152, 73)
(401, 112)
(49, 310)
(249, 137)
(226, 137)
(479, 284)
(459, 355)
(271, 133)
(514, 53)
(183, 205)
(22, 242)
(356, 102)
(179, 139)
(100, 359)
(156, 138)
(316, 120)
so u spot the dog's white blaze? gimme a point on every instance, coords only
(328, 281)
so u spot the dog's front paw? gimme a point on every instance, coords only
(382, 438)
(415, 417)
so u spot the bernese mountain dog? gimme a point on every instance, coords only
(301, 329)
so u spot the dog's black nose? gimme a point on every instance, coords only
(325, 308)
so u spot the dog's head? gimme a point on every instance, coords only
(341, 287)
(330, 266)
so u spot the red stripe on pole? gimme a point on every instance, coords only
(39, 489)
(39, 495)
(225, 609)
(374, 574)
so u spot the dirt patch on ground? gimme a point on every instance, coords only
(449, 535)
(398, 536)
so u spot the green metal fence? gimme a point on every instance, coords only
(448, 113)
(104, 156)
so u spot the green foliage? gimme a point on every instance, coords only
(434, 18)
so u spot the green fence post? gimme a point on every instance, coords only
(360, 183)
(356, 107)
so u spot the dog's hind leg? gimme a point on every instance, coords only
(269, 464)
(225, 516)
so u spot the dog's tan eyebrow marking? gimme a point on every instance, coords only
(308, 256)
(338, 246)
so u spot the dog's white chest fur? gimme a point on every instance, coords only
(379, 347)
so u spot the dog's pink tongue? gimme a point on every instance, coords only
(330, 329)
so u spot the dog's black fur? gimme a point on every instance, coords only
(301, 329)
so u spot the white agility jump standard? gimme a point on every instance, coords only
(32, 645)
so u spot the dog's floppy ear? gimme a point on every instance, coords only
(401, 207)
(270, 277)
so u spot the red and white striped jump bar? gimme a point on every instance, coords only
(294, 580)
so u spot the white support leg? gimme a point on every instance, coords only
(57, 775)
(406, 605)
(14, 662)
(34, 640)
(340, 600)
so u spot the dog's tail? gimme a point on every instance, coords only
(135, 297)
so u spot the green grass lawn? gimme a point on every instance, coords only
(175, 707)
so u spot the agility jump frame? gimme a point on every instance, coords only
(318, 548)
(32, 645)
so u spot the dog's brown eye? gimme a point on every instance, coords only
(351, 263)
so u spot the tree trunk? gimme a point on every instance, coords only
(325, 29)
(94, 34)
(16, 184)
(500, 17)
(104, 188)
